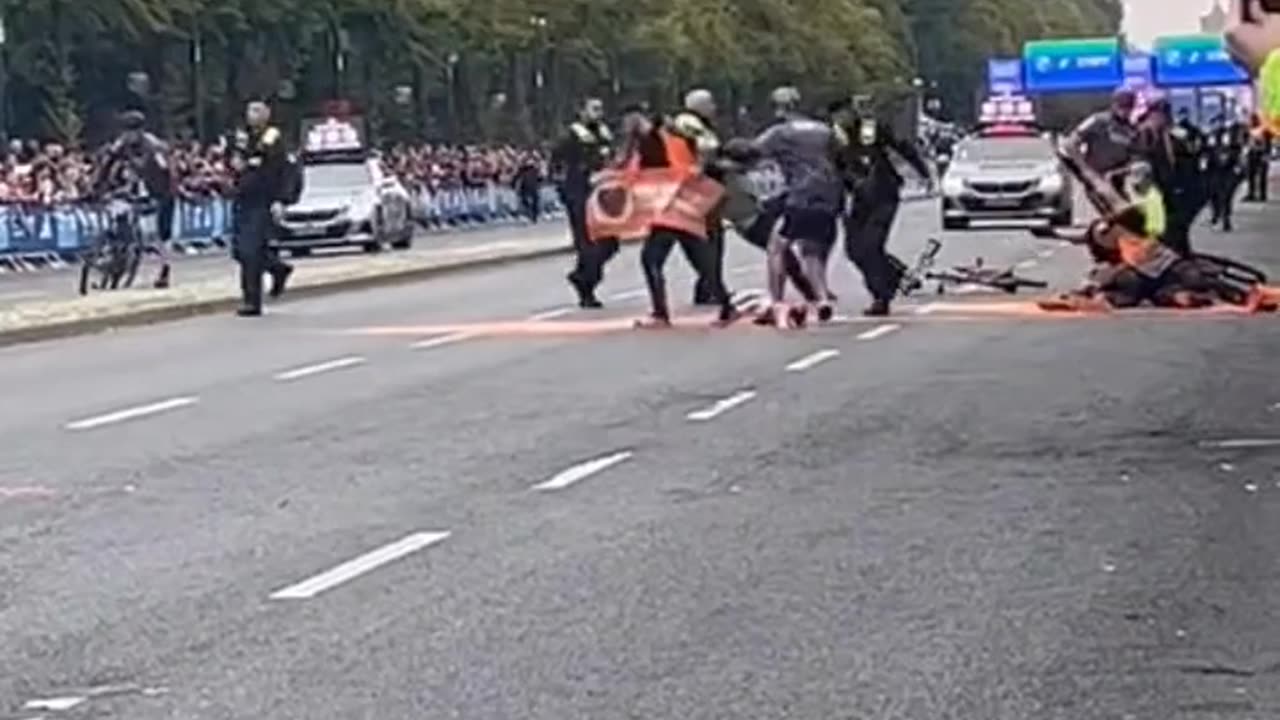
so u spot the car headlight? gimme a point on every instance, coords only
(1051, 184)
(360, 212)
(952, 185)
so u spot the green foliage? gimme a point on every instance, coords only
(474, 65)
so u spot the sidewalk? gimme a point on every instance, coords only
(215, 287)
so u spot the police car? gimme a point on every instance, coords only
(348, 199)
(1007, 171)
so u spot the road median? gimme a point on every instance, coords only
(50, 319)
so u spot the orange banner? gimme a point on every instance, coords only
(627, 204)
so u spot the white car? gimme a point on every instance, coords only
(1005, 178)
(347, 203)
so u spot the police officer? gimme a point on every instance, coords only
(1108, 138)
(1225, 147)
(1173, 154)
(876, 190)
(259, 189)
(1257, 164)
(585, 148)
(696, 125)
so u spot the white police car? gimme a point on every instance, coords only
(347, 197)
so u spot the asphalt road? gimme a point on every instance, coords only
(418, 502)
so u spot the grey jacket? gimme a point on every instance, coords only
(805, 150)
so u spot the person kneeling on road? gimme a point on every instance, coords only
(1133, 267)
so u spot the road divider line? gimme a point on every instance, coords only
(132, 413)
(1027, 264)
(722, 406)
(551, 314)
(318, 368)
(441, 341)
(58, 704)
(582, 471)
(352, 569)
(1241, 443)
(927, 309)
(629, 294)
(811, 361)
(879, 331)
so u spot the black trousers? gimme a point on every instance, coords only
(758, 235)
(1184, 206)
(1257, 174)
(252, 249)
(1222, 190)
(866, 237)
(531, 203)
(653, 258)
(704, 290)
(590, 257)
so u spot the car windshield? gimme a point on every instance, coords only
(338, 177)
(1006, 150)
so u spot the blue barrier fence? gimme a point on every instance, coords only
(65, 229)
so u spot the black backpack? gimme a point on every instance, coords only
(292, 180)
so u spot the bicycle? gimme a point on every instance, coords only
(116, 252)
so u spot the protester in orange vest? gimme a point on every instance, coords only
(651, 146)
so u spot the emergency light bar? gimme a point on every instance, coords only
(1007, 110)
(332, 135)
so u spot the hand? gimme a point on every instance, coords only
(1251, 42)
(277, 211)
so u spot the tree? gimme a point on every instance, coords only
(497, 68)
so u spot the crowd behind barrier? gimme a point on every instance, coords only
(66, 228)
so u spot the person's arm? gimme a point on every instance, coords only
(907, 151)
(1077, 139)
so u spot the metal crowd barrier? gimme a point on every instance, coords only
(37, 235)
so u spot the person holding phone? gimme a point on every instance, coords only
(1254, 41)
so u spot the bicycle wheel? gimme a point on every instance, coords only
(1233, 270)
(91, 262)
(86, 273)
(132, 261)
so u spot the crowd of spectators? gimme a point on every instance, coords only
(48, 174)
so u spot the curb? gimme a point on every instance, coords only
(152, 316)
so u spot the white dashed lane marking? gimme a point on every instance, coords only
(628, 295)
(132, 413)
(1027, 264)
(58, 704)
(318, 368)
(441, 341)
(352, 569)
(551, 314)
(878, 331)
(582, 471)
(810, 361)
(722, 406)
(1241, 443)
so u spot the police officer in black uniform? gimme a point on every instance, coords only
(1225, 147)
(263, 164)
(585, 148)
(1258, 161)
(876, 190)
(1174, 154)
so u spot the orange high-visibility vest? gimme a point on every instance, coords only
(681, 158)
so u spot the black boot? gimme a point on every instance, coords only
(280, 280)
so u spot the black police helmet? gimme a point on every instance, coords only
(133, 120)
